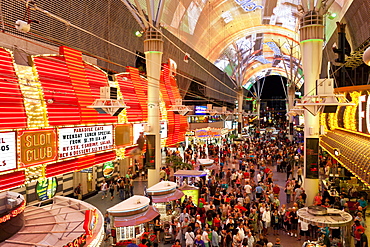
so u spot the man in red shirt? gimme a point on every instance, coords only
(358, 234)
(276, 190)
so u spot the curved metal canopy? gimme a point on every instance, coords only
(264, 32)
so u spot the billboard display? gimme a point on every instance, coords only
(8, 151)
(84, 140)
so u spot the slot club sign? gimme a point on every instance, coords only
(84, 140)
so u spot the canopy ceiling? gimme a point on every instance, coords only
(259, 37)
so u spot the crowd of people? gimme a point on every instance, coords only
(240, 203)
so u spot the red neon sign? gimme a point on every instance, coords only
(78, 242)
(91, 220)
(13, 213)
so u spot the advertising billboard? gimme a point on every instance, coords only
(8, 151)
(84, 140)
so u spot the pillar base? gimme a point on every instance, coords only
(311, 186)
(153, 177)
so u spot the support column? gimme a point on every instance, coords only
(153, 49)
(311, 35)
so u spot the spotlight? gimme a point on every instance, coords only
(139, 33)
(332, 16)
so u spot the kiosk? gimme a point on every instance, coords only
(327, 217)
(130, 216)
(164, 195)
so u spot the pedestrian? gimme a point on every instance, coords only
(363, 240)
(107, 226)
(104, 188)
(112, 187)
(78, 192)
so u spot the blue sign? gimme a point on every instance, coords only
(248, 5)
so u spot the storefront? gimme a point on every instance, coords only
(164, 196)
(131, 217)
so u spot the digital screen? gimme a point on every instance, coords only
(150, 152)
(200, 110)
(312, 158)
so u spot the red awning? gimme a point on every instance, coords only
(134, 220)
(169, 197)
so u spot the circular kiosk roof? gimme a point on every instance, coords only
(324, 217)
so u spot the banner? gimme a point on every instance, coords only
(8, 151)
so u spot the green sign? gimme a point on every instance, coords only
(108, 169)
(46, 188)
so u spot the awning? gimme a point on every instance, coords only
(188, 187)
(169, 197)
(206, 162)
(134, 220)
(190, 173)
(211, 167)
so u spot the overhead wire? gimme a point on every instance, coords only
(131, 52)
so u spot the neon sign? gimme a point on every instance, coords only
(248, 5)
(13, 213)
(78, 242)
(91, 220)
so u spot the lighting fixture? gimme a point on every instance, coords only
(139, 34)
(332, 16)
(179, 108)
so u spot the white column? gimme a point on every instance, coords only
(153, 48)
(312, 33)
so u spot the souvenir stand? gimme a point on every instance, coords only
(130, 217)
(328, 217)
(164, 195)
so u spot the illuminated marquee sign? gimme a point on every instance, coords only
(84, 140)
(8, 151)
(248, 5)
(37, 147)
(208, 133)
(13, 213)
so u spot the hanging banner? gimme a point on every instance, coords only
(84, 140)
(8, 151)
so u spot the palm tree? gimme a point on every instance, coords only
(176, 163)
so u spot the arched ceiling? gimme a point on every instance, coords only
(260, 37)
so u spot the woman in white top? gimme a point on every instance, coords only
(189, 237)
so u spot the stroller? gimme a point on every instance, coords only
(168, 237)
